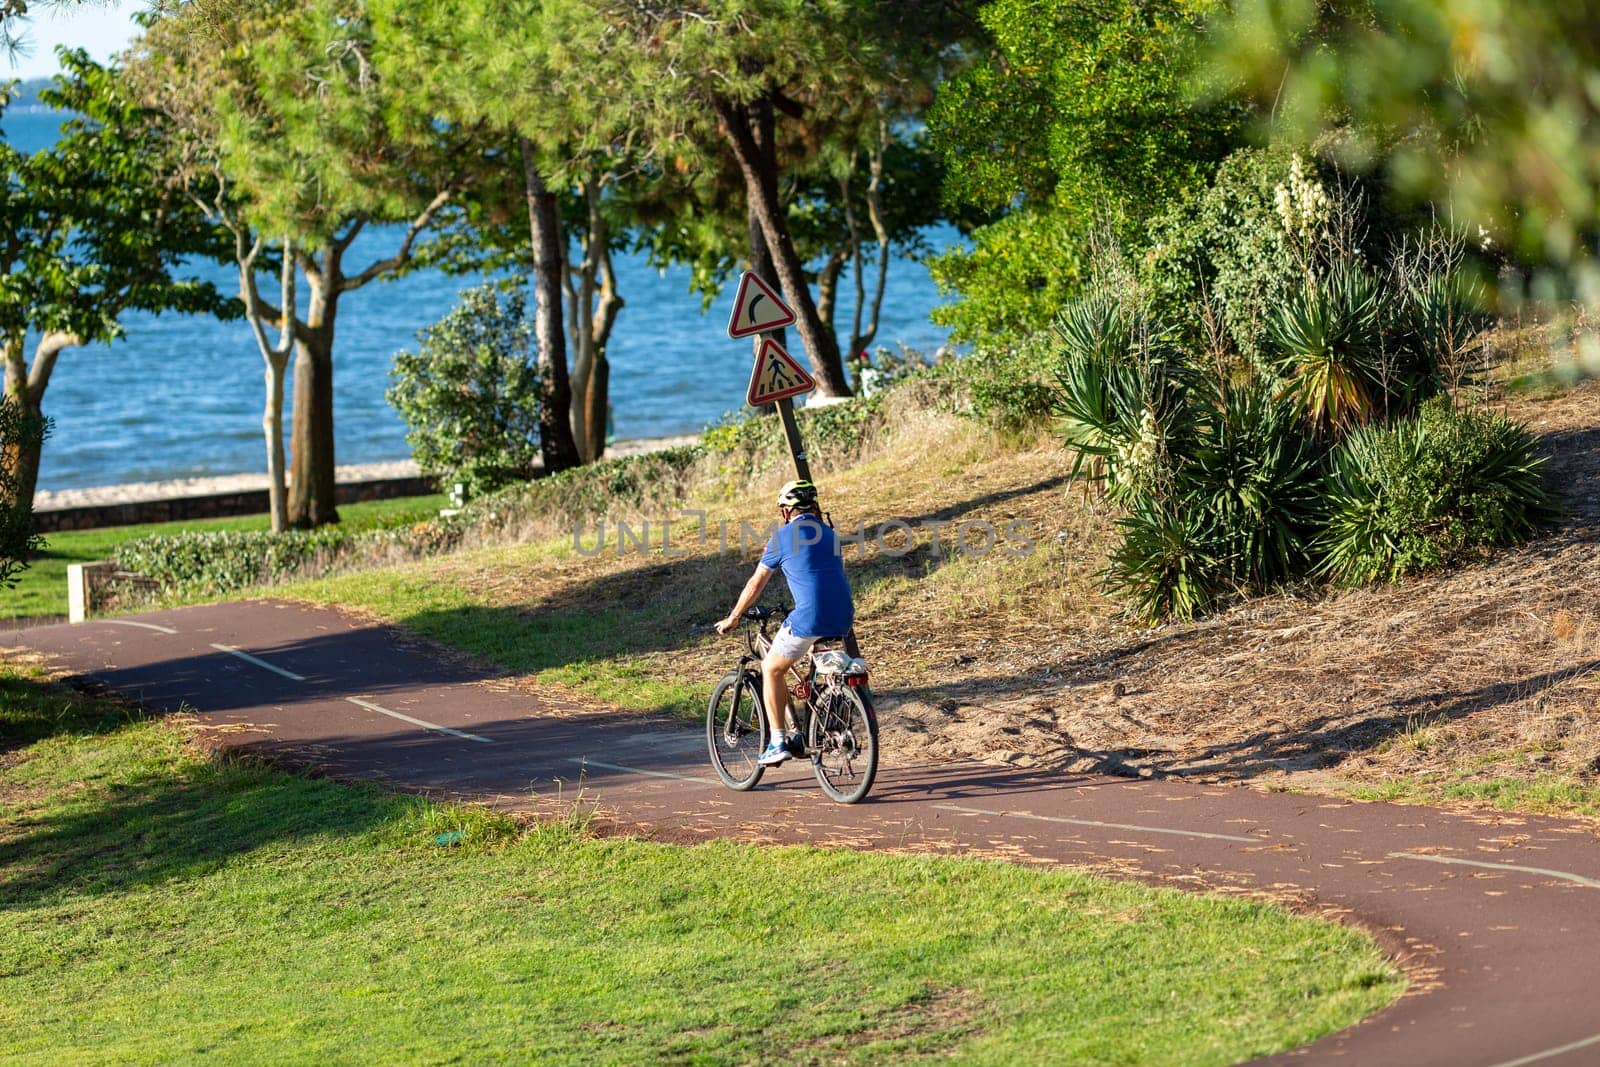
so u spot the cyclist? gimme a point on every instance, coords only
(807, 551)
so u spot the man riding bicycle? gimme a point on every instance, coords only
(807, 551)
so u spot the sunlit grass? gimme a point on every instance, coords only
(161, 906)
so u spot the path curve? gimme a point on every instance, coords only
(1493, 915)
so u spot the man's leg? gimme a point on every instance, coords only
(774, 684)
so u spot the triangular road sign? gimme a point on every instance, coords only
(757, 309)
(776, 375)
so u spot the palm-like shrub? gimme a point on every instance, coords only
(1327, 345)
(1441, 318)
(1167, 564)
(1429, 490)
(1120, 395)
(1254, 472)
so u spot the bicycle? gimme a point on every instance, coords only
(831, 710)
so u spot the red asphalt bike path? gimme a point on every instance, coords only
(1496, 917)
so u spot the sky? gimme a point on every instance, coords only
(99, 27)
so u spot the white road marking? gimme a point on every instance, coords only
(1103, 825)
(418, 722)
(248, 658)
(1549, 1052)
(1565, 876)
(639, 770)
(140, 625)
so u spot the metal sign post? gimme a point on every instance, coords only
(776, 377)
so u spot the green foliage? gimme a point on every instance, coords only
(1441, 318)
(1431, 490)
(1007, 386)
(20, 429)
(594, 490)
(469, 395)
(224, 561)
(1482, 110)
(1326, 341)
(1221, 492)
(91, 230)
(1073, 108)
(747, 447)
(1018, 272)
(1121, 390)
(1165, 565)
(1226, 245)
(1222, 467)
(1256, 477)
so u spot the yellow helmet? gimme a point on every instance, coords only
(798, 494)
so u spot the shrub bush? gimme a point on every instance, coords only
(1006, 386)
(1256, 477)
(1326, 342)
(19, 429)
(1430, 490)
(1226, 245)
(224, 561)
(1121, 398)
(470, 395)
(1165, 565)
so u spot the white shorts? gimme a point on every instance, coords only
(789, 645)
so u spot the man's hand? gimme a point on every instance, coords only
(727, 624)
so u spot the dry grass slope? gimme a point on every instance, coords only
(1481, 674)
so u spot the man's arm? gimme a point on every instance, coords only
(752, 592)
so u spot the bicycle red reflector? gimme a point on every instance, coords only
(856, 680)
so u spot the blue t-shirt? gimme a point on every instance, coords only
(807, 552)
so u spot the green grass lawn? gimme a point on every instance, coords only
(42, 588)
(157, 905)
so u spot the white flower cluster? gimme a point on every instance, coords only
(1137, 458)
(1485, 240)
(1302, 204)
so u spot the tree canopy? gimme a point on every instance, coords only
(1074, 117)
(1485, 110)
(89, 231)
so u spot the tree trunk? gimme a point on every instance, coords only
(758, 165)
(556, 444)
(861, 338)
(608, 303)
(762, 265)
(828, 290)
(272, 425)
(25, 386)
(312, 481)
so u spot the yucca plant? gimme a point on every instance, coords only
(1327, 346)
(1441, 320)
(1167, 565)
(1426, 491)
(1120, 387)
(1254, 471)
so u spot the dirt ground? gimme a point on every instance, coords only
(1487, 670)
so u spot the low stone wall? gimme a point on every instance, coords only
(212, 505)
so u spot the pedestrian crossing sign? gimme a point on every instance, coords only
(776, 376)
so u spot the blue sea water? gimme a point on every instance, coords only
(181, 396)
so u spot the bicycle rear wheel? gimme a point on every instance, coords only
(844, 744)
(736, 730)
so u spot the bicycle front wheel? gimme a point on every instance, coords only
(844, 744)
(736, 731)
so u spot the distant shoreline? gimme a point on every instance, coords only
(213, 485)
